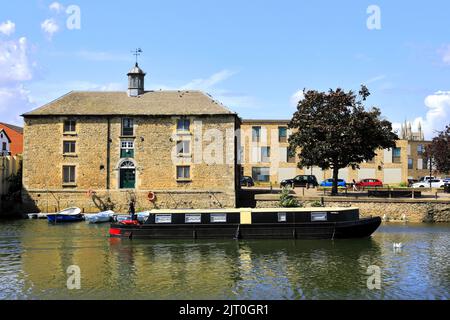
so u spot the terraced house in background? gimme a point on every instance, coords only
(265, 156)
(87, 149)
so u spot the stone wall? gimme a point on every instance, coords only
(213, 173)
(414, 211)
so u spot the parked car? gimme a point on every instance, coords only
(247, 181)
(369, 183)
(300, 181)
(427, 178)
(411, 182)
(435, 183)
(329, 183)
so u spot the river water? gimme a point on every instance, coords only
(35, 257)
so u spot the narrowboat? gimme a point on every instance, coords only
(248, 223)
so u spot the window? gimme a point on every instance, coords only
(183, 147)
(127, 149)
(4, 146)
(163, 218)
(425, 163)
(68, 174)
(290, 156)
(193, 218)
(420, 149)
(410, 164)
(183, 172)
(218, 217)
(261, 174)
(183, 124)
(127, 127)
(318, 216)
(265, 154)
(396, 155)
(282, 134)
(69, 126)
(69, 147)
(282, 217)
(256, 134)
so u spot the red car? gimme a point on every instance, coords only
(369, 183)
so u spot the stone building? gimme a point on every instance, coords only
(265, 157)
(102, 149)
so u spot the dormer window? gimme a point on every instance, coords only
(127, 127)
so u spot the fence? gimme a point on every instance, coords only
(9, 165)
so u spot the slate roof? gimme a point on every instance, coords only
(151, 103)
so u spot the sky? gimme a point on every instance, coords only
(255, 57)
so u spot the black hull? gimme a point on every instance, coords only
(362, 228)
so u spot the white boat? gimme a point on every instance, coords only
(100, 217)
(74, 211)
(66, 215)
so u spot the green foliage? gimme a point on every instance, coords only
(316, 203)
(333, 130)
(403, 185)
(287, 200)
(439, 151)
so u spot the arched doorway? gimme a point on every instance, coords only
(127, 179)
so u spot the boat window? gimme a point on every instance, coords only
(193, 218)
(218, 217)
(163, 218)
(282, 217)
(318, 216)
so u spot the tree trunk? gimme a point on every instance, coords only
(334, 189)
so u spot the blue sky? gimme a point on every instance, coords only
(253, 57)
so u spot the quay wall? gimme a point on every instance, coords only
(54, 201)
(415, 210)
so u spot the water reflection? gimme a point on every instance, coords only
(34, 257)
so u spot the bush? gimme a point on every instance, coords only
(316, 203)
(287, 200)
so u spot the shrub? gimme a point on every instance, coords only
(287, 200)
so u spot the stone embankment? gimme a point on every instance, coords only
(412, 210)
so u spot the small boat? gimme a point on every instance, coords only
(105, 216)
(66, 215)
(250, 223)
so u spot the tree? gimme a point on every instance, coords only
(333, 130)
(439, 151)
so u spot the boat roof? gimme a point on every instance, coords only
(253, 210)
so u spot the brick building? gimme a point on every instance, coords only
(265, 157)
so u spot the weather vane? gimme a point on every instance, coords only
(137, 53)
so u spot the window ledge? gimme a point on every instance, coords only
(184, 180)
(127, 137)
(70, 155)
(70, 133)
(184, 133)
(69, 185)
(184, 155)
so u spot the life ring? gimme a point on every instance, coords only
(151, 196)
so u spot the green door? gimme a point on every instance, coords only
(127, 178)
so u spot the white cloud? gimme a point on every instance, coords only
(375, 79)
(14, 64)
(50, 27)
(445, 54)
(56, 6)
(437, 116)
(296, 97)
(14, 101)
(205, 84)
(7, 27)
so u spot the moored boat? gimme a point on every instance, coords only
(248, 223)
(66, 215)
(105, 216)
